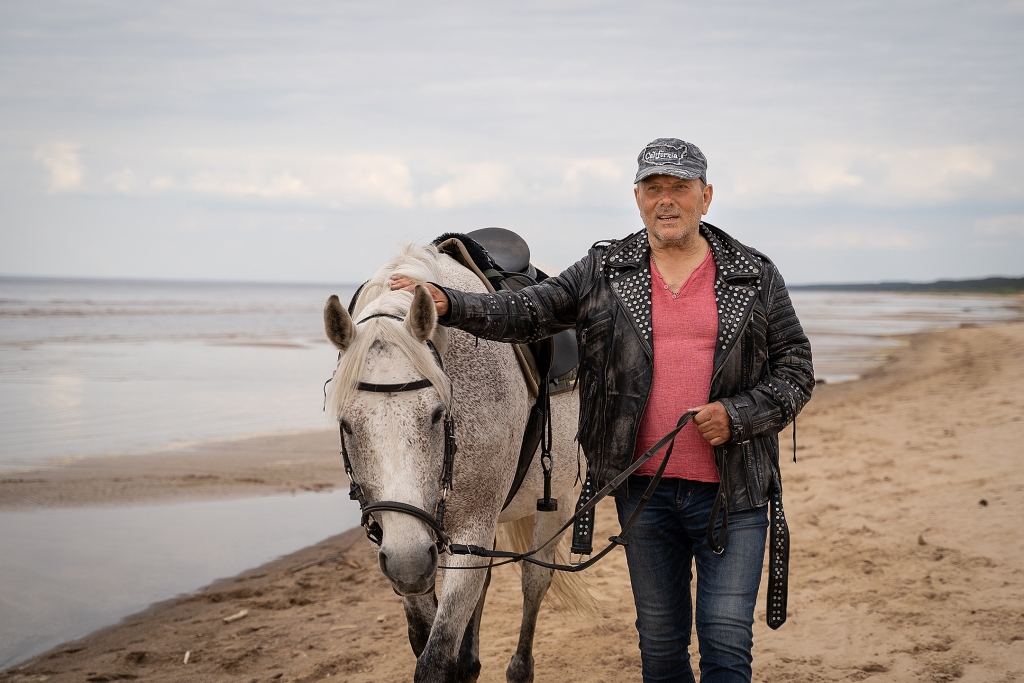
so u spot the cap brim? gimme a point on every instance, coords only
(687, 174)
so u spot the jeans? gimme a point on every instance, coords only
(668, 537)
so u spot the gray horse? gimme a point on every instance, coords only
(396, 446)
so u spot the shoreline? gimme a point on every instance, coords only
(287, 462)
(904, 510)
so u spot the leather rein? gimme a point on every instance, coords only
(435, 521)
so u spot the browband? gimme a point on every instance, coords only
(392, 388)
(381, 315)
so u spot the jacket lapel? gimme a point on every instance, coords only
(737, 282)
(629, 272)
(736, 286)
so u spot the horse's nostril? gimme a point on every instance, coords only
(433, 556)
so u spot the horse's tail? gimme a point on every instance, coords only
(569, 590)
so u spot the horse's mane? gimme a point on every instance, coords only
(418, 263)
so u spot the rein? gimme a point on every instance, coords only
(435, 521)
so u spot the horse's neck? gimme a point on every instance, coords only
(465, 364)
(457, 276)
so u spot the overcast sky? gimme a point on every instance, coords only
(300, 141)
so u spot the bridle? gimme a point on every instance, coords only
(436, 520)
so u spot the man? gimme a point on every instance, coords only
(676, 317)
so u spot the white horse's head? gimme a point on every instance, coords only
(395, 440)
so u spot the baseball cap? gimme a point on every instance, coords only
(671, 156)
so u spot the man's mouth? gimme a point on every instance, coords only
(668, 216)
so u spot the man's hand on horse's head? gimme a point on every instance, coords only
(408, 284)
(713, 423)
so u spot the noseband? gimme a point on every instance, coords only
(435, 521)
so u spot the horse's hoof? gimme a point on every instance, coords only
(469, 672)
(520, 669)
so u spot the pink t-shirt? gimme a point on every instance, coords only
(685, 328)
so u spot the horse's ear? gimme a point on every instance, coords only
(422, 316)
(338, 324)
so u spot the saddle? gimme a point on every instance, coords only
(501, 259)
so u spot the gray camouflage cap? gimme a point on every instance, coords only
(671, 156)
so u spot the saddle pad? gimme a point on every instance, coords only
(454, 247)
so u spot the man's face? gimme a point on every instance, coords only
(671, 207)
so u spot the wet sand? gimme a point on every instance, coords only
(907, 555)
(302, 461)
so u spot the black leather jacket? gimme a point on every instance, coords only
(762, 365)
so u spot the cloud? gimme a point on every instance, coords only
(866, 175)
(1012, 224)
(367, 179)
(474, 184)
(61, 158)
(582, 171)
(281, 186)
(341, 181)
(124, 181)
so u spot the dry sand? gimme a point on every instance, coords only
(907, 563)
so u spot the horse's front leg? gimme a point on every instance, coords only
(469, 651)
(536, 581)
(460, 600)
(420, 611)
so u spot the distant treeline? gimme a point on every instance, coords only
(988, 285)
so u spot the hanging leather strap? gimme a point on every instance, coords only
(778, 559)
(583, 529)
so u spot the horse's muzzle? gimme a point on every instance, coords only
(410, 573)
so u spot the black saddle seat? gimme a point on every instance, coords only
(510, 252)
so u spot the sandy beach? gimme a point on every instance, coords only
(904, 506)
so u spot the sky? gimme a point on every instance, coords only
(306, 141)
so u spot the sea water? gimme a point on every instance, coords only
(93, 367)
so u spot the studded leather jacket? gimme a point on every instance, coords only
(762, 370)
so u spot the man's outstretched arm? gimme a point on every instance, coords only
(521, 317)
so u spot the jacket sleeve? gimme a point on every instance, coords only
(787, 385)
(525, 316)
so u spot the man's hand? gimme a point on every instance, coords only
(713, 423)
(440, 300)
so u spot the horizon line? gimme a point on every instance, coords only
(213, 281)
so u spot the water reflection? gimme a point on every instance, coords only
(67, 572)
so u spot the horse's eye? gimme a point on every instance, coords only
(436, 417)
(346, 426)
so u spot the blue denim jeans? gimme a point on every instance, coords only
(667, 539)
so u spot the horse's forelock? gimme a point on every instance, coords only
(414, 261)
(420, 263)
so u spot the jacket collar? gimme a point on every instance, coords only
(732, 259)
(627, 265)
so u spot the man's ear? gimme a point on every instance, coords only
(708, 193)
